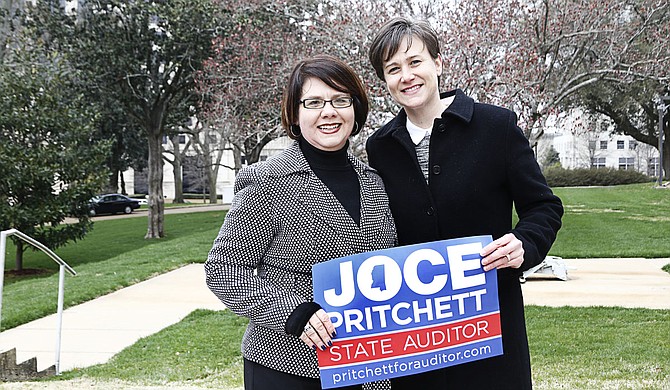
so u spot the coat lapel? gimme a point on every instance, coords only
(373, 217)
(318, 199)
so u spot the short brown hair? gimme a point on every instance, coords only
(337, 75)
(392, 34)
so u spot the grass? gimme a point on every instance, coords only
(599, 347)
(202, 349)
(114, 255)
(621, 221)
(571, 348)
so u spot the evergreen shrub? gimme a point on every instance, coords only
(560, 177)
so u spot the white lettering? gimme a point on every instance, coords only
(392, 278)
(348, 288)
(458, 265)
(411, 272)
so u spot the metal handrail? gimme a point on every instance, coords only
(63, 266)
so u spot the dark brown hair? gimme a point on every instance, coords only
(393, 33)
(334, 73)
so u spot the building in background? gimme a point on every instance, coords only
(583, 141)
(194, 179)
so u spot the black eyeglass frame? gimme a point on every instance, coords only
(324, 101)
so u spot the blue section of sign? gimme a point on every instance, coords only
(408, 286)
(409, 365)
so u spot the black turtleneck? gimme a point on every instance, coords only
(336, 172)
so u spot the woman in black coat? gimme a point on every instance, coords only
(455, 168)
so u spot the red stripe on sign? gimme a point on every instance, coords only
(409, 342)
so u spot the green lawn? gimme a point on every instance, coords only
(621, 221)
(571, 348)
(114, 255)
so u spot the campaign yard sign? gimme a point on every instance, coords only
(406, 310)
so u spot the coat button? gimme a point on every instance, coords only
(437, 169)
(430, 211)
(442, 128)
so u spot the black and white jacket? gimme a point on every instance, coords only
(283, 220)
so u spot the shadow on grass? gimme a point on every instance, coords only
(12, 276)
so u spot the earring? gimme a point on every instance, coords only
(295, 131)
(356, 129)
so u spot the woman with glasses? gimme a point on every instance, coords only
(311, 203)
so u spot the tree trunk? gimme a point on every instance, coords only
(123, 183)
(237, 156)
(155, 185)
(113, 185)
(666, 156)
(212, 185)
(178, 183)
(19, 255)
(177, 170)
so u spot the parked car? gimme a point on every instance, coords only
(112, 204)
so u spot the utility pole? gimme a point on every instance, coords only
(664, 103)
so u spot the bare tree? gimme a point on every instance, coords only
(243, 82)
(533, 56)
(210, 143)
(174, 155)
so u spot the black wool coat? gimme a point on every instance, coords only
(481, 168)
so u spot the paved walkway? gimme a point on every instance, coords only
(95, 331)
(604, 282)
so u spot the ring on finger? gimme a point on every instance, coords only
(508, 257)
(308, 328)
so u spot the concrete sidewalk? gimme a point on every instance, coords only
(95, 331)
(604, 282)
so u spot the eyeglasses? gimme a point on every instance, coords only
(317, 104)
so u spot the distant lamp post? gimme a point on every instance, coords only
(664, 103)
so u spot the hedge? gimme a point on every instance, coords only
(560, 177)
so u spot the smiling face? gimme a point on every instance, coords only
(411, 77)
(326, 128)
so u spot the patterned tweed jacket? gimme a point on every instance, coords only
(283, 220)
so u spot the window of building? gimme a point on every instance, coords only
(620, 145)
(626, 163)
(632, 144)
(598, 162)
(603, 145)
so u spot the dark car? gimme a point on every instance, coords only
(112, 204)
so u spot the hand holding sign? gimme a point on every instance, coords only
(319, 331)
(507, 251)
